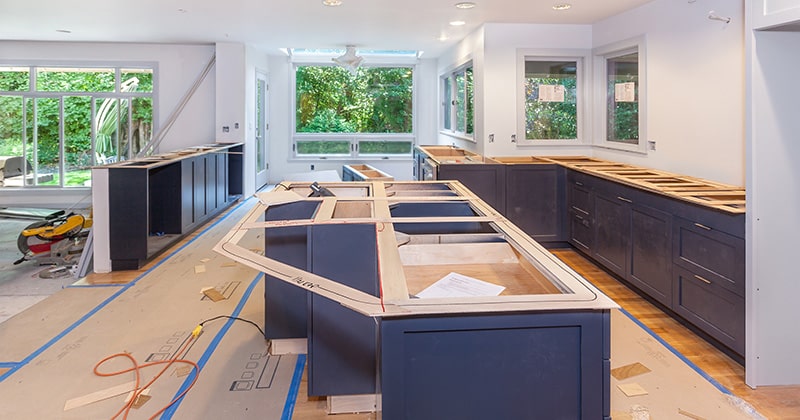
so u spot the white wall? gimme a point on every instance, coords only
(470, 48)
(773, 225)
(280, 149)
(695, 86)
(178, 67)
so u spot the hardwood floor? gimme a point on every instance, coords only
(773, 402)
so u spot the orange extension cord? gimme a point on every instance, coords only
(137, 367)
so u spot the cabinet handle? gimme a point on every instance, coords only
(702, 226)
(578, 183)
(706, 281)
(624, 199)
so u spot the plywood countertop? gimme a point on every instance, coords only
(715, 195)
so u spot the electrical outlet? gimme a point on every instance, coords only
(513, 138)
(491, 138)
(312, 167)
(651, 145)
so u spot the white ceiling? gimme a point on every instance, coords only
(273, 24)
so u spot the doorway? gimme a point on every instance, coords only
(262, 130)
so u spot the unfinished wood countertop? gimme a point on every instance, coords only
(161, 159)
(716, 195)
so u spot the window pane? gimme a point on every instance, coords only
(470, 99)
(11, 131)
(11, 126)
(374, 100)
(107, 126)
(77, 140)
(142, 123)
(377, 147)
(623, 99)
(14, 79)
(461, 94)
(124, 141)
(74, 80)
(448, 103)
(551, 102)
(46, 135)
(323, 147)
(261, 86)
(143, 79)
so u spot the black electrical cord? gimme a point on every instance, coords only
(234, 318)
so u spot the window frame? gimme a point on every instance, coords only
(448, 106)
(583, 76)
(32, 94)
(353, 138)
(601, 56)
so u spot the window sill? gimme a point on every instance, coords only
(458, 136)
(351, 158)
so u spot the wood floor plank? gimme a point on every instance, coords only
(773, 402)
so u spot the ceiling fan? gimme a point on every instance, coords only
(349, 59)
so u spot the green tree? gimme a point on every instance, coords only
(374, 100)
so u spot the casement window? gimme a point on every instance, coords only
(458, 102)
(620, 84)
(551, 97)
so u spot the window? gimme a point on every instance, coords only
(621, 96)
(58, 122)
(458, 102)
(551, 104)
(342, 114)
(622, 99)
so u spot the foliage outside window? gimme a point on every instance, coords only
(551, 100)
(458, 102)
(622, 99)
(63, 120)
(344, 114)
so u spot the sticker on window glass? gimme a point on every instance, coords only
(551, 93)
(625, 92)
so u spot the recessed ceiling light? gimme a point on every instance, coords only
(64, 31)
(465, 5)
(562, 6)
(458, 23)
(442, 38)
(332, 3)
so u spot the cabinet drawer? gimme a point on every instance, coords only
(715, 310)
(712, 254)
(581, 233)
(579, 196)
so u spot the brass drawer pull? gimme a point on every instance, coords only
(702, 226)
(706, 281)
(624, 199)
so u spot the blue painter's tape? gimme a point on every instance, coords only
(211, 347)
(8, 364)
(110, 299)
(291, 398)
(92, 286)
(696, 368)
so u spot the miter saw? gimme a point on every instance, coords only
(58, 240)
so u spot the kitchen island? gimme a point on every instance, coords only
(371, 249)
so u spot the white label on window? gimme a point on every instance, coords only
(551, 93)
(625, 92)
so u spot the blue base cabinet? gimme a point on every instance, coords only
(545, 365)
